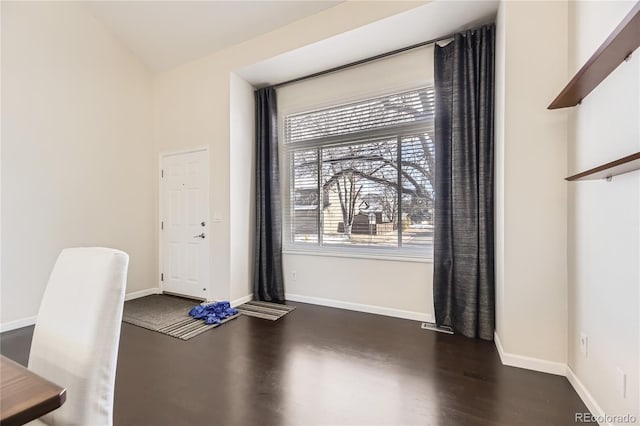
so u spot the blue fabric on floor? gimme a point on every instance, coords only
(213, 313)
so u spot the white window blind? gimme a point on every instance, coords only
(384, 112)
(361, 175)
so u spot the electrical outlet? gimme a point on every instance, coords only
(621, 382)
(584, 345)
(294, 275)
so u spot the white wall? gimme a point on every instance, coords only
(192, 108)
(77, 160)
(242, 170)
(396, 73)
(604, 231)
(531, 193)
(383, 286)
(386, 287)
(499, 166)
(1, 162)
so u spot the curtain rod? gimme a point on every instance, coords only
(366, 60)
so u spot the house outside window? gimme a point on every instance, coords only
(360, 176)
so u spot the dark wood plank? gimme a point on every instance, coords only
(325, 366)
(25, 396)
(620, 166)
(620, 44)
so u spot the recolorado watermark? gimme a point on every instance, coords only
(605, 418)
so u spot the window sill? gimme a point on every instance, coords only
(351, 255)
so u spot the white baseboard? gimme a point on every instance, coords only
(142, 293)
(25, 322)
(529, 363)
(371, 309)
(241, 300)
(586, 396)
(19, 323)
(558, 368)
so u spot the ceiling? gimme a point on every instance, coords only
(164, 34)
(433, 20)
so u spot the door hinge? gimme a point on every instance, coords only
(162, 225)
(162, 173)
(161, 277)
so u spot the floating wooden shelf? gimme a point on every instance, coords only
(620, 44)
(614, 168)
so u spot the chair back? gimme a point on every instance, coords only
(75, 341)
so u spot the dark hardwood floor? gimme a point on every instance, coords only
(323, 366)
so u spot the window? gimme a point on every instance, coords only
(360, 175)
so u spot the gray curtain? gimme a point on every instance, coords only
(463, 281)
(268, 283)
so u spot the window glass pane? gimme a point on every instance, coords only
(359, 189)
(417, 190)
(346, 185)
(304, 196)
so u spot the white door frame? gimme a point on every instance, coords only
(161, 156)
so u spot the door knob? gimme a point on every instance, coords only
(199, 235)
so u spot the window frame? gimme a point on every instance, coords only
(287, 149)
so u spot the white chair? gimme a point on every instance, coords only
(75, 341)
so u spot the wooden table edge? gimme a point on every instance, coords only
(44, 407)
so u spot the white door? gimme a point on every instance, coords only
(184, 215)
